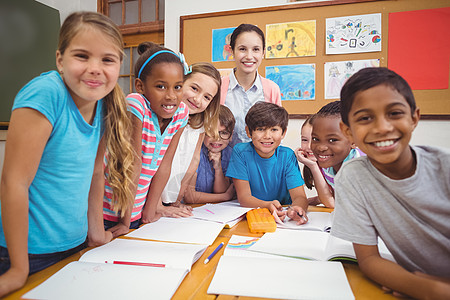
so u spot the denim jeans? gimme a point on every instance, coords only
(38, 262)
(133, 225)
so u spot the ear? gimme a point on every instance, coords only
(249, 134)
(59, 64)
(284, 134)
(416, 117)
(139, 85)
(347, 132)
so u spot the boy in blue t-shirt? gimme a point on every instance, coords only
(264, 173)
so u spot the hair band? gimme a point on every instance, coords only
(151, 57)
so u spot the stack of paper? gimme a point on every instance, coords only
(227, 213)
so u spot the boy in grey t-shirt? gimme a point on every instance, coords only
(384, 194)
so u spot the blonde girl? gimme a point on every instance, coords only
(201, 95)
(158, 118)
(60, 121)
(244, 86)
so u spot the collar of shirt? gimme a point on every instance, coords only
(257, 84)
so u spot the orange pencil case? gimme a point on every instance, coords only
(261, 220)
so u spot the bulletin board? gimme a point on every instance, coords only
(434, 103)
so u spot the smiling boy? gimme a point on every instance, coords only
(264, 173)
(398, 192)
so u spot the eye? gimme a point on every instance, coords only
(241, 49)
(81, 55)
(259, 129)
(178, 87)
(160, 86)
(194, 88)
(332, 140)
(314, 139)
(207, 98)
(257, 49)
(275, 129)
(363, 119)
(396, 113)
(304, 140)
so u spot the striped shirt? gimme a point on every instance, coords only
(154, 146)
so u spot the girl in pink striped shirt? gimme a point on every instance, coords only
(158, 118)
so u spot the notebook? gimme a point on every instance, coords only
(229, 213)
(320, 221)
(180, 230)
(107, 272)
(280, 279)
(312, 245)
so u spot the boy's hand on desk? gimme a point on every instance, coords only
(298, 214)
(276, 209)
(12, 280)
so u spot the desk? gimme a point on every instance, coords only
(196, 282)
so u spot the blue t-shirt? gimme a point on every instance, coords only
(269, 178)
(58, 195)
(205, 170)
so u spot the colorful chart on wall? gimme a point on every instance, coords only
(337, 72)
(419, 47)
(221, 50)
(296, 82)
(353, 34)
(294, 39)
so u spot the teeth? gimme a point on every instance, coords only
(384, 143)
(168, 106)
(324, 156)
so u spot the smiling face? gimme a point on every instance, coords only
(89, 66)
(217, 145)
(163, 89)
(381, 125)
(198, 91)
(248, 52)
(305, 143)
(328, 143)
(266, 139)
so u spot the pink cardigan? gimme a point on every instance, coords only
(270, 89)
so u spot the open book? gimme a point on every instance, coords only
(122, 269)
(280, 278)
(320, 221)
(228, 213)
(313, 245)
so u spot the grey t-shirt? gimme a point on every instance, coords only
(411, 215)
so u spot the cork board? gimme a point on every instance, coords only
(196, 40)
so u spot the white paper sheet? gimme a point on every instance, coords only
(181, 230)
(280, 279)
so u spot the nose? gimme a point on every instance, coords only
(94, 67)
(267, 134)
(321, 147)
(383, 125)
(171, 94)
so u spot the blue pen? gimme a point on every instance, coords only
(214, 253)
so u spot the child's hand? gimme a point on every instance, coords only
(146, 218)
(119, 229)
(230, 192)
(306, 158)
(298, 214)
(12, 280)
(215, 157)
(277, 211)
(103, 238)
(175, 212)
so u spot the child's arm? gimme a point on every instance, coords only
(299, 205)
(221, 183)
(123, 227)
(246, 199)
(20, 166)
(323, 192)
(96, 233)
(159, 181)
(193, 166)
(192, 196)
(396, 278)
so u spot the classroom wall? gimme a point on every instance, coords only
(428, 132)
